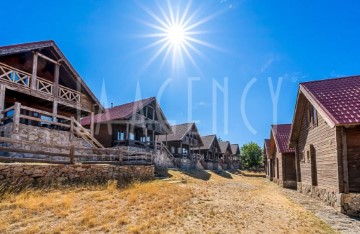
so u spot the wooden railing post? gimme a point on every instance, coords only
(2, 99)
(71, 128)
(72, 154)
(17, 108)
(34, 72)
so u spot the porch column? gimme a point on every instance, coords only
(2, 99)
(55, 110)
(56, 81)
(34, 72)
(92, 124)
(127, 132)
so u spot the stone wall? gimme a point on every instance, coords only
(16, 176)
(285, 184)
(350, 204)
(330, 198)
(162, 161)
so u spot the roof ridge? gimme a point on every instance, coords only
(130, 102)
(28, 43)
(330, 79)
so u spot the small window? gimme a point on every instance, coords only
(132, 136)
(315, 117)
(302, 158)
(179, 150)
(121, 135)
(308, 156)
(172, 149)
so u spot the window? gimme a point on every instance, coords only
(308, 156)
(132, 136)
(302, 158)
(172, 149)
(315, 117)
(179, 150)
(312, 117)
(121, 135)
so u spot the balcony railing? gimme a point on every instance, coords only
(23, 79)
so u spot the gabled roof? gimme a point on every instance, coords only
(280, 134)
(336, 100)
(26, 47)
(179, 132)
(208, 142)
(266, 150)
(235, 149)
(121, 112)
(225, 145)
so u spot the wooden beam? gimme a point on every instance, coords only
(34, 72)
(92, 124)
(55, 111)
(17, 108)
(2, 99)
(344, 160)
(47, 58)
(56, 80)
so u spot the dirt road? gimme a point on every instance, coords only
(201, 202)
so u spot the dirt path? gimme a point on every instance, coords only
(201, 202)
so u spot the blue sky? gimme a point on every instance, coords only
(251, 41)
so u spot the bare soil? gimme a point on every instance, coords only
(186, 202)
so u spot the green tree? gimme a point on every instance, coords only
(250, 154)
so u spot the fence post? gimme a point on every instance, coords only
(17, 108)
(72, 154)
(71, 128)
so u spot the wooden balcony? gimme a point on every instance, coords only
(17, 78)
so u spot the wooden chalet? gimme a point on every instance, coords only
(182, 141)
(226, 154)
(268, 163)
(326, 136)
(40, 88)
(135, 124)
(235, 157)
(210, 151)
(282, 157)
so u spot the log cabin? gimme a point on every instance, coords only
(268, 163)
(132, 126)
(326, 136)
(39, 88)
(226, 153)
(182, 141)
(210, 152)
(282, 156)
(235, 149)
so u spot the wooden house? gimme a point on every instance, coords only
(226, 154)
(183, 140)
(210, 152)
(39, 88)
(268, 163)
(326, 136)
(235, 149)
(135, 124)
(283, 156)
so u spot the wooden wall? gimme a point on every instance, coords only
(323, 138)
(353, 158)
(289, 167)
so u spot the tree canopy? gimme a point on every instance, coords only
(250, 154)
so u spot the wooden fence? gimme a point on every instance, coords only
(36, 152)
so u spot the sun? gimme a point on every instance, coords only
(175, 33)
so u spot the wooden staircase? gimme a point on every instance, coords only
(78, 130)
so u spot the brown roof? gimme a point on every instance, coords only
(179, 132)
(224, 145)
(338, 98)
(267, 147)
(281, 134)
(121, 112)
(25, 47)
(235, 148)
(207, 141)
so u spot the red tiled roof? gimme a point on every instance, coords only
(267, 147)
(281, 134)
(121, 112)
(339, 98)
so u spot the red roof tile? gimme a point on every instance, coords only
(121, 112)
(339, 98)
(281, 133)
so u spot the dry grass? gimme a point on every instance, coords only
(188, 203)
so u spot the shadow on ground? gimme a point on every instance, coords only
(224, 174)
(197, 174)
(162, 173)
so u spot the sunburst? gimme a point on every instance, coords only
(175, 34)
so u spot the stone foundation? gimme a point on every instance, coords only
(351, 204)
(330, 198)
(162, 161)
(284, 184)
(17, 176)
